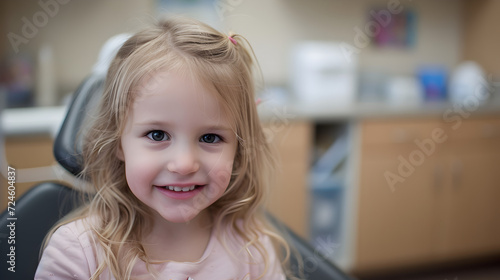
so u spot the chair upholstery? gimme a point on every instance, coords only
(67, 146)
(36, 212)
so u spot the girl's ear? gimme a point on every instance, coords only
(119, 152)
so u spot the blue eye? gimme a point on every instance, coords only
(157, 135)
(210, 138)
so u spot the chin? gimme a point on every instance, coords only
(181, 217)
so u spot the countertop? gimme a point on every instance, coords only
(31, 121)
(294, 111)
(47, 120)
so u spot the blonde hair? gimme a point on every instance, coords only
(118, 217)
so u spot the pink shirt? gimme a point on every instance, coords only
(71, 254)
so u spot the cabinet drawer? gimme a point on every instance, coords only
(292, 143)
(26, 152)
(289, 136)
(398, 132)
(481, 129)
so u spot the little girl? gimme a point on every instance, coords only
(179, 163)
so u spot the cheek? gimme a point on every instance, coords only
(220, 177)
(139, 170)
(221, 174)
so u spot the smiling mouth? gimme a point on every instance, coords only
(180, 189)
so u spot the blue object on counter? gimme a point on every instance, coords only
(434, 80)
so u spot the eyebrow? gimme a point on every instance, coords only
(220, 128)
(165, 123)
(152, 123)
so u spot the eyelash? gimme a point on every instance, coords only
(218, 138)
(165, 135)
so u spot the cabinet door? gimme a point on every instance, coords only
(26, 152)
(473, 212)
(289, 195)
(473, 224)
(397, 225)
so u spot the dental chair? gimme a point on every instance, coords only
(44, 204)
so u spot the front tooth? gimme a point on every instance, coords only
(185, 189)
(171, 188)
(177, 189)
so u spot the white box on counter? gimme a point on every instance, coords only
(322, 73)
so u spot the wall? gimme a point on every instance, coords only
(274, 27)
(481, 40)
(79, 29)
(76, 32)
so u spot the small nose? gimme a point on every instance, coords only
(184, 160)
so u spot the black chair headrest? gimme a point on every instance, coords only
(68, 143)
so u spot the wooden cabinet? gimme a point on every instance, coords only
(396, 224)
(24, 152)
(289, 195)
(428, 192)
(473, 190)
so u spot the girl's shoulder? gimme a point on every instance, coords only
(79, 226)
(69, 253)
(75, 231)
(239, 226)
(230, 236)
(257, 253)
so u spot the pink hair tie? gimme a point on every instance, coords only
(233, 40)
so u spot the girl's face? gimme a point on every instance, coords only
(178, 146)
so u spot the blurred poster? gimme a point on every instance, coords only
(394, 30)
